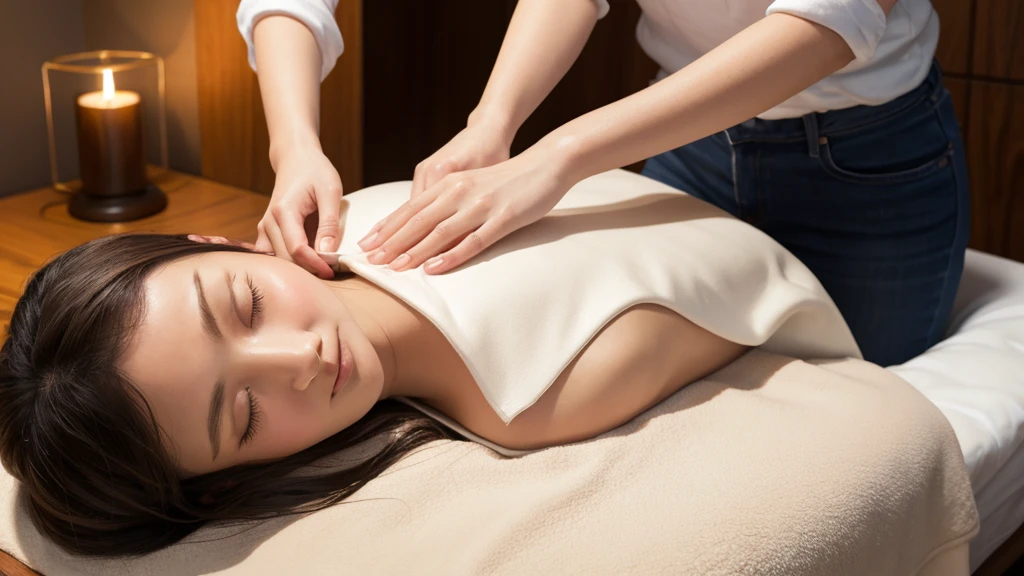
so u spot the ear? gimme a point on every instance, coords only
(222, 240)
(208, 239)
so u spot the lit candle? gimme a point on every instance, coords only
(110, 152)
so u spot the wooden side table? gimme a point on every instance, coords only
(35, 227)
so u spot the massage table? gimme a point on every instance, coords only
(976, 378)
(769, 466)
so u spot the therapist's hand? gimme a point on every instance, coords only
(304, 207)
(465, 212)
(481, 144)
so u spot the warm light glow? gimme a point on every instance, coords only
(108, 98)
(108, 84)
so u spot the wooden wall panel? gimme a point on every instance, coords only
(428, 63)
(958, 90)
(341, 100)
(953, 51)
(995, 156)
(999, 39)
(981, 50)
(228, 128)
(611, 66)
(233, 130)
(431, 62)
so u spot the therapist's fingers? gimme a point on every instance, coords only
(419, 176)
(274, 239)
(434, 171)
(263, 243)
(328, 200)
(474, 243)
(296, 244)
(278, 244)
(444, 236)
(433, 228)
(383, 230)
(262, 239)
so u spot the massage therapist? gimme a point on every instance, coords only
(822, 122)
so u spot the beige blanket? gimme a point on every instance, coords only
(770, 466)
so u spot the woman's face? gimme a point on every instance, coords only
(247, 357)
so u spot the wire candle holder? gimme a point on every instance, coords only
(110, 132)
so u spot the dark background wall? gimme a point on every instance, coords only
(165, 28)
(34, 31)
(31, 32)
(982, 55)
(430, 63)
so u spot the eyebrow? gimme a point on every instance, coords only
(217, 400)
(229, 279)
(213, 421)
(209, 322)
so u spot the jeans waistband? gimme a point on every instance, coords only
(835, 121)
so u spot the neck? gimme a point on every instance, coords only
(408, 345)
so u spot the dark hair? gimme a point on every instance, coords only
(85, 445)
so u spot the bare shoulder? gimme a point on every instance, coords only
(644, 355)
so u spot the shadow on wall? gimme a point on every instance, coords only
(30, 34)
(33, 32)
(166, 28)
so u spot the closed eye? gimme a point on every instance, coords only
(257, 306)
(254, 419)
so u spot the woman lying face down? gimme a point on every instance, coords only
(151, 383)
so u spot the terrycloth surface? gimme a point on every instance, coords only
(976, 378)
(770, 466)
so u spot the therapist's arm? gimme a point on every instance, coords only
(543, 40)
(288, 63)
(759, 68)
(755, 70)
(288, 66)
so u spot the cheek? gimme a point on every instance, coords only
(369, 371)
(296, 297)
(290, 429)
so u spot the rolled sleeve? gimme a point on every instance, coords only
(860, 23)
(317, 15)
(602, 8)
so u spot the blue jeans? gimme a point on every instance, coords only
(873, 199)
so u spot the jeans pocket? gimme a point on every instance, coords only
(881, 173)
(905, 147)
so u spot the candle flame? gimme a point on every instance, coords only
(108, 84)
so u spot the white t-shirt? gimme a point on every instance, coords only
(519, 312)
(892, 56)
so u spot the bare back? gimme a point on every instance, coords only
(640, 358)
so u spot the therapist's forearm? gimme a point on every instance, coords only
(288, 65)
(759, 68)
(543, 40)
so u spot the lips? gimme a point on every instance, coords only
(344, 367)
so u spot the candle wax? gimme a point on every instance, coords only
(110, 144)
(121, 99)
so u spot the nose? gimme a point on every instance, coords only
(292, 357)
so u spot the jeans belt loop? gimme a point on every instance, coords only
(811, 129)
